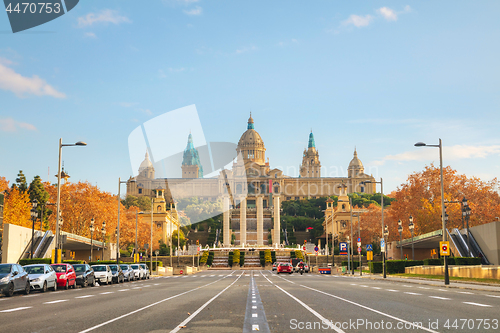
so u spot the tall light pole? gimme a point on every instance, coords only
(118, 223)
(103, 232)
(411, 226)
(91, 238)
(58, 212)
(400, 229)
(386, 236)
(151, 244)
(34, 215)
(136, 220)
(381, 182)
(359, 252)
(440, 146)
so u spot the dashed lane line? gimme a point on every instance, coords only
(497, 296)
(478, 304)
(438, 297)
(85, 296)
(255, 316)
(16, 309)
(58, 301)
(410, 293)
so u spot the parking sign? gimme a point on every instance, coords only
(343, 248)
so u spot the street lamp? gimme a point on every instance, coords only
(440, 146)
(411, 227)
(34, 215)
(92, 228)
(58, 212)
(381, 182)
(400, 229)
(118, 223)
(386, 235)
(103, 232)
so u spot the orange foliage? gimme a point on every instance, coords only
(4, 184)
(17, 208)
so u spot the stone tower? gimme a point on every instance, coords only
(191, 165)
(311, 167)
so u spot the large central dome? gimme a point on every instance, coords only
(251, 145)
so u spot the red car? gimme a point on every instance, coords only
(66, 276)
(285, 268)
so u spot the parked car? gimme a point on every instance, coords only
(128, 272)
(117, 274)
(138, 271)
(103, 274)
(66, 276)
(147, 273)
(84, 275)
(13, 278)
(306, 268)
(285, 268)
(275, 266)
(42, 277)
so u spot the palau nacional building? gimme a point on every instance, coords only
(251, 191)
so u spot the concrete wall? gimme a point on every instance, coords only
(15, 240)
(479, 272)
(488, 239)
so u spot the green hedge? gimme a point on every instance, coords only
(411, 263)
(273, 256)
(356, 263)
(24, 262)
(292, 254)
(230, 259)
(73, 262)
(155, 264)
(242, 258)
(375, 266)
(395, 266)
(210, 258)
(432, 262)
(236, 257)
(467, 261)
(106, 262)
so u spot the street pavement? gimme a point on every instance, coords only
(247, 301)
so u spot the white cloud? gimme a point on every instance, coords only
(246, 49)
(456, 152)
(11, 125)
(105, 16)
(127, 104)
(90, 35)
(358, 21)
(21, 85)
(388, 14)
(194, 12)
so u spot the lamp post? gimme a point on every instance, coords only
(118, 223)
(151, 243)
(359, 252)
(411, 226)
(136, 219)
(386, 235)
(103, 232)
(400, 229)
(58, 212)
(34, 215)
(381, 182)
(440, 146)
(92, 228)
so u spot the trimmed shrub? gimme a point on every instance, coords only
(236, 257)
(467, 261)
(230, 259)
(204, 257)
(355, 263)
(298, 254)
(411, 263)
(292, 254)
(201, 227)
(267, 256)
(242, 258)
(210, 258)
(155, 264)
(395, 266)
(375, 266)
(432, 262)
(73, 262)
(24, 262)
(273, 256)
(451, 261)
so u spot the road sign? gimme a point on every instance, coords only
(369, 255)
(316, 249)
(359, 249)
(359, 239)
(359, 244)
(444, 248)
(369, 247)
(181, 272)
(146, 246)
(303, 248)
(382, 245)
(310, 248)
(343, 248)
(157, 252)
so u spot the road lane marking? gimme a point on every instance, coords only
(443, 298)
(147, 307)
(465, 292)
(58, 301)
(424, 288)
(17, 309)
(31, 295)
(254, 307)
(410, 293)
(376, 288)
(477, 304)
(86, 296)
(108, 292)
(320, 317)
(124, 290)
(493, 296)
(362, 285)
(188, 319)
(392, 290)
(371, 309)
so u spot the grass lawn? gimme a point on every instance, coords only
(452, 278)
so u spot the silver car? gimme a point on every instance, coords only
(42, 277)
(128, 272)
(103, 274)
(139, 273)
(146, 271)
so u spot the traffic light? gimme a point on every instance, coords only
(305, 241)
(197, 242)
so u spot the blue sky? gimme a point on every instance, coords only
(378, 75)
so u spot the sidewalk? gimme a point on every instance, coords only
(436, 283)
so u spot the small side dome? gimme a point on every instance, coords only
(146, 163)
(355, 162)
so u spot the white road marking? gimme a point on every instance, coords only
(124, 290)
(34, 295)
(188, 319)
(477, 304)
(255, 327)
(58, 301)
(409, 293)
(465, 292)
(17, 309)
(376, 288)
(86, 296)
(254, 315)
(137, 288)
(156, 284)
(354, 284)
(362, 285)
(493, 296)
(254, 306)
(392, 290)
(437, 297)
(212, 275)
(424, 288)
(108, 292)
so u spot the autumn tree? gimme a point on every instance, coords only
(21, 182)
(17, 208)
(4, 184)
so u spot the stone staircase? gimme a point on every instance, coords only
(252, 259)
(220, 260)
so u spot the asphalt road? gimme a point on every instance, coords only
(244, 301)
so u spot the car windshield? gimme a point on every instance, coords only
(135, 266)
(99, 268)
(34, 269)
(125, 267)
(59, 268)
(5, 269)
(79, 268)
(114, 268)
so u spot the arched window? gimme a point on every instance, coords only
(343, 206)
(158, 209)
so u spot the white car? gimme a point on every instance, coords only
(139, 273)
(146, 270)
(103, 274)
(42, 277)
